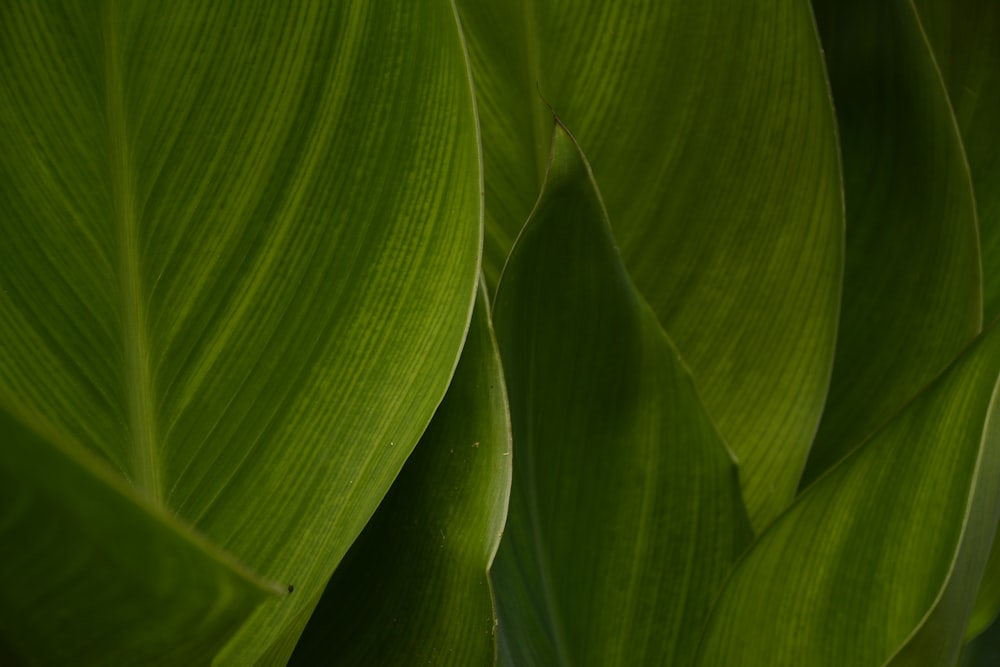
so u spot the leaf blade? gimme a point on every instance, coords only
(305, 256)
(625, 510)
(877, 551)
(414, 587)
(738, 254)
(913, 281)
(153, 591)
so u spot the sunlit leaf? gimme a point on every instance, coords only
(413, 589)
(625, 510)
(239, 256)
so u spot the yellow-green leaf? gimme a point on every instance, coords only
(240, 251)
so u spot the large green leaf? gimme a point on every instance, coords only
(963, 35)
(712, 135)
(413, 589)
(239, 258)
(912, 279)
(132, 585)
(625, 510)
(881, 557)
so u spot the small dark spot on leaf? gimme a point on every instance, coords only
(290, 588)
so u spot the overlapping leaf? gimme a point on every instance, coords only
(912, 279)
(413, 589)
(964, 37)
(712, 135)
(239, 255)
(625, 510)
(129, 586)
(878, 562)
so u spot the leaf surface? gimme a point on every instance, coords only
(240, 252)
(878, 561)
(711, 132)
(912, 278)
(963, 36)
(625, 510)
(413, 589)
(92, 574)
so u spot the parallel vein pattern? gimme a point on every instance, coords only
(711, 132)
(625, 511)
(240, 254)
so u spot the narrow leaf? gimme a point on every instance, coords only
(625, 511)
(413, 589)
(882, 555)
(963, 36)
(912, 282)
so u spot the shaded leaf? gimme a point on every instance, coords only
(413, 589)
(712, 135)
(912, 281)
(984, 613)
(984, 650)
(625, 509)
(881, 557)
(231, 267)
(93, 574)
(963, 36)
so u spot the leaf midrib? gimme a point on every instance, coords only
(142, 450)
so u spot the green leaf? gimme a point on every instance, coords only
(912, 279)
(881, 557)
(240, 253)
(625, 510)
(711, 132)
(120, 580)
(413, 589)
(984, 650)
(985, 611)
(963, 35)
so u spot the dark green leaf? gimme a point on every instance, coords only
(965, 38)
(625, 509)
(711, 132)
(912, 279)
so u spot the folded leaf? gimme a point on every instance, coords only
(240, 253)
(912, 281)
(881, 557)
(625, 509)
(712, 135)
(413, 589)
(93, 574)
